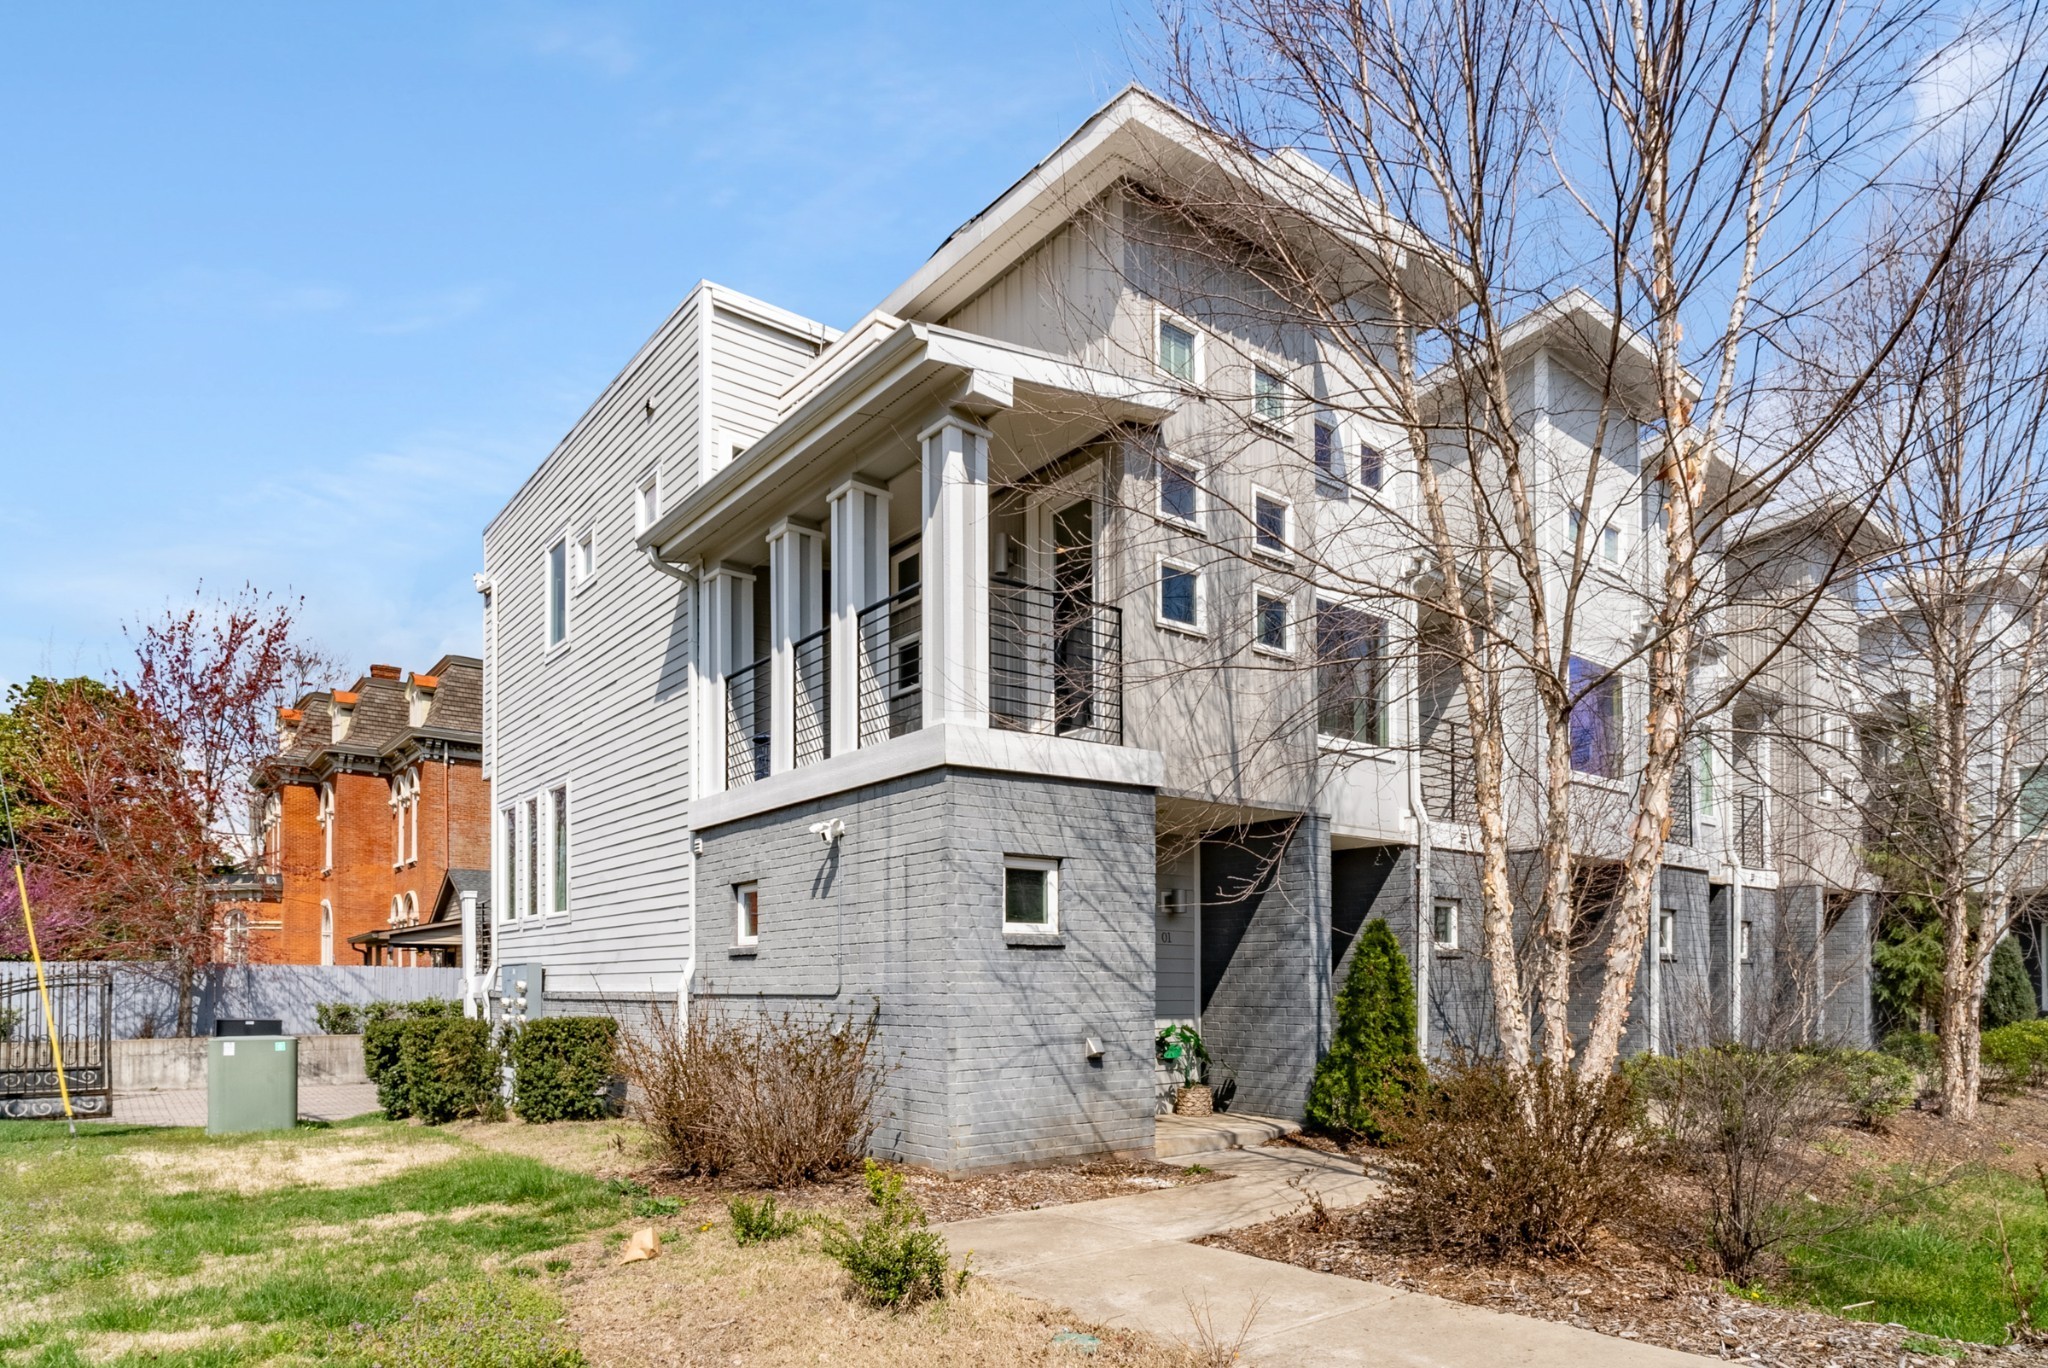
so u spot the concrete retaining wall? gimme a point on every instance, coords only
(154, 1065)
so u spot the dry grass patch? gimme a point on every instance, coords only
(268, 1165)
(708, 1301)
(600, 1148)
(152, 1344)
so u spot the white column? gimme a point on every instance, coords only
(796, 608)
(471, 980)
(860, 577)
(955, 573)
(725, 642)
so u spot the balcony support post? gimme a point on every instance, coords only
(955, 572)
(860, 577)
(796, 608)
(725, 642)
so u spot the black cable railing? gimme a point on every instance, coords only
(1683, 809)
(1447, 783)
(891, 667)
(812, 658)
(1752, 831)
(746, 723)
(1055, 663)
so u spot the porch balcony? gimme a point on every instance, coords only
(853, 589)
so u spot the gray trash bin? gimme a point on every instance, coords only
(252, 1084)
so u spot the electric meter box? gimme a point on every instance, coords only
(252, 1084)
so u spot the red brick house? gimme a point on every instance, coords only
(374, 801)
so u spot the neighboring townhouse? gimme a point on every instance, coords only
(374, 802)
(948, 667)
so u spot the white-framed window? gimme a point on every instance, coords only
(746, 914)
(585, 556)
(558, 849)
(529, 890)
(1273, 624)
(906, 648)
(1742, 941)
(1443, 925)
(1031, 895)
(1352, 669)
(1667, 933)
(1372, 466)
(1606, 546)
(326, 820)
(405, 817)
(1177, 347)
(1329, 450)
(326, 932)
(1269, 397)
(1180, 603)
(508, 864)
(647, 501)
(1272, 524)
(557, 587)
(412, 908)
(1180, 492)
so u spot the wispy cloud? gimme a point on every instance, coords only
(593, 42)
(240, 291)
(431, 311)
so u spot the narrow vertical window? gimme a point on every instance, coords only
(1177, 350)
(530, 893)
(508, 864)
(1444, 925)
(1595, 719)
(1269, 398)
(558, 847)
(1742, 941)
(1272, 623)
(1667, 934)
(746, 909)
(326, 932)
(1329, 455)
(1351, 674)
(1372, 466)
(558, 592)
(1269, 524)
(1179, 498)
(646, 503)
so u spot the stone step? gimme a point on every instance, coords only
(1177, 1136)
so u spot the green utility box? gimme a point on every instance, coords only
(252, 1084)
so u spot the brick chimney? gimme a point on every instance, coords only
(383, 672)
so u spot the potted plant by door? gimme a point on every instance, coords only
(1181, 1049)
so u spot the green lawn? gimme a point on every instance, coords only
(1931, 1263)
(134, 1245)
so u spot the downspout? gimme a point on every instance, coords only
(1425, 945)
(1737, 962)
(470, 1006)
(683, 574)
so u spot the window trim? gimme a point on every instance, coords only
(559, 863)
(1617, 735)
(1744, 941)
(1337, 475)
(740, 935)
(324, 814)
(1385, 660)
(1284, 424)
(326, 933)
(1197, 353)
(1379, 465)
(507, 893)
(1263, 594)
(529, 857)
(1667, 944)
(1200, 626)
(583, 559)
(549, 642)
(646, 501)
(1437, 904)
(1194, 471)
(1285, 552)
(1039, 864)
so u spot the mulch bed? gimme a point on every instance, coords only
(1620, 1291)
(957, 1197)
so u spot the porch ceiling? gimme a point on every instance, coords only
(865, 420)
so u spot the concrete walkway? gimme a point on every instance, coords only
(187, 1106)
(1126, 1262)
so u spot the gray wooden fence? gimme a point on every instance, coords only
(146, 995)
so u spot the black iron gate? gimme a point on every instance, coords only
(82, 1006)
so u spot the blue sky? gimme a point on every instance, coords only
(297, 295)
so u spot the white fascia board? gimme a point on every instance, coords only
(1137, 400)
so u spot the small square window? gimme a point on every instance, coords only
(1177, 350)
(646, 503)
(1179, 497)
(1269, 397)
(1269, 524)
(1444, 925)
(1180, 595)
(1667, 934)
(746, 909)
(1272, 625)
(1372, 466)
(1329, 454)
(586, 555)
(1031, 895)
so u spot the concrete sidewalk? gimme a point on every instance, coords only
(1126, 1262)
(187, 1106)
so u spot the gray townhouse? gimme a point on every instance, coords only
(947, 667)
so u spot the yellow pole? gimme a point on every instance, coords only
(43, 988)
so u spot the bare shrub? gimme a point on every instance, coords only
(778, 1100)
(1741, 1123)
(1490, 1165)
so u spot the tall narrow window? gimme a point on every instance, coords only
(558, 592)
(326, 932)
(646, 503)
(586, 555)
(1351, 674)
(1329, 455)
(1667, 934)
(1269, 524)
(1269, 397)
(558, 847)
(1179, 497)
(1595, 719)
(1272, 623)
(746, 913)
(326, 827)
(1177, 350)
(508, 864)
(1443, 924)
(1742, 945)
(530, 894)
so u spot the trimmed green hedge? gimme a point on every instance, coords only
(561, 1067)
(436, 1068)
(348, 1018)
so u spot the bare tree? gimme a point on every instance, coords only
(1417, 196)
(1945, 778)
